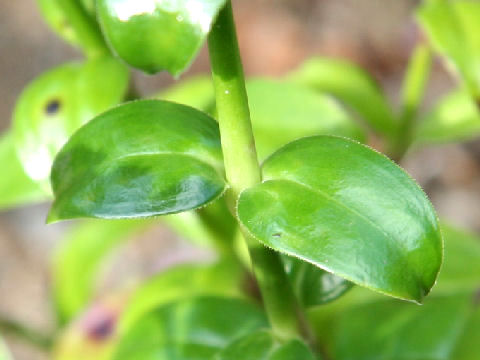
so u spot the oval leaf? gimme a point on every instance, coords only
(189, 330)
(353, 86)
(155, 35)
(312, 285)
(282, 112)
(140, 159)
(262, 345)
(349, 210)
(57, 103)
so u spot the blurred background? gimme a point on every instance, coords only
(275, 36)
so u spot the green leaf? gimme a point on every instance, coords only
(262, 345)
(181, 283)
(454, 118)
(94, 335)
(140, 159)
(312, 285)
(467, 346)
(195, 329)
(196, 91)
(158, 35)
(16, 188)
(460, 271)
(353, 86)
(454, 31)
(399, 331)
(78, 259)
(55, 17)
(57, 103)
(282, 112)
(348, 210)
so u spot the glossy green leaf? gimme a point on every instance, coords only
(156, 35)
(195, 329)
(57, 103)
(454, 31)
(399, 331)
(16, 188)
(262, 345)
(454, 118)
(196, 91)
(348, 210)
(77, 261)
(353, 86)
(140, 159)
(4, 353)
(282, 112)
(312, 285)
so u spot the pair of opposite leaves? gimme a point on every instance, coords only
(362, 217)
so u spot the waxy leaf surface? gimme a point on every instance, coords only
(57, 103)
(262, 345)
(195, 329)
(455, 118)
(312, 285)
(140, 159)
(282, 112)
(353, 86)
(156, 35)
(349, 210)
(454, 30)
(16, 188)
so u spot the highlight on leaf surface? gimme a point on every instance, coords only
(57, 103)
(140, 159)
(155, 35)
(349, 210)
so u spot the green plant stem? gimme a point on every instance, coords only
(85, 27)
(29, 336)
(243, 171)
(415, 81)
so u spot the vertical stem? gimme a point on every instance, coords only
(85, 27)
(243, 171)
(414, 83)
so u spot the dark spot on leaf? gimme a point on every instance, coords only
(52, 107)
(277, 235)
(476, 298)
